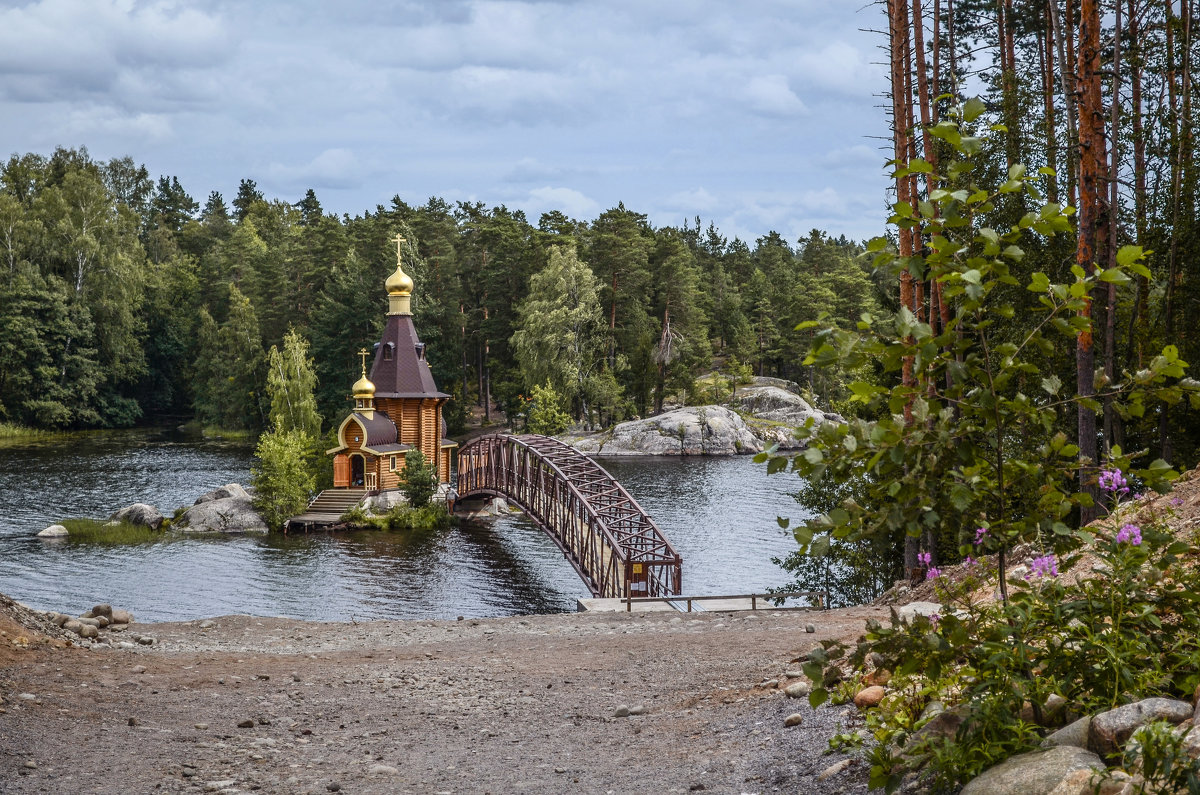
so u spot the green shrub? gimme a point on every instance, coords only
(419, 481)
(432, 516)
(1131, 631)
(546, 414)
(282, 479)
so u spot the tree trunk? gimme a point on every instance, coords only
(1112, 425)
(1091, 173)
(901, 125)
(1139, 321)
(1066, 61)
(1046, 57)
(1180, 129)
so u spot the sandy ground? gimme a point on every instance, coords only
(519, 704)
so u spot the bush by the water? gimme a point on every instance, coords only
(93, 531)
(10, 431)
(282, 478)
(432, 516)
(419, 479)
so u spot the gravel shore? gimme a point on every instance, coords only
(650, 702)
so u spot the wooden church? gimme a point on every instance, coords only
(397, 408)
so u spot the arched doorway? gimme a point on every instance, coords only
(357, 470)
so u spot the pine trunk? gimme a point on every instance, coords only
(1091, 173)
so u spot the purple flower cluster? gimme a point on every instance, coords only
(980, 532)
(924, 558)
(1129, 534)
(933, 573)
(1113, 481)
(1045, 566)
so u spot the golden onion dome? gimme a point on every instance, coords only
(399, 283)
(363, 388)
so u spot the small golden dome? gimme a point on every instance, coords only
(363, 388)
(399, 283)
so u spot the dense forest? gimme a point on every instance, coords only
(1097, 97)
(124, 300)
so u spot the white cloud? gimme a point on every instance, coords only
(855, 157)
(839, 67)
(533, 103)
(86, 124)
(333, 168)
(698, 200)
(76, 48)
(772, 95)
(566, 200)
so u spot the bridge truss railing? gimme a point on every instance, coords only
(611, 542)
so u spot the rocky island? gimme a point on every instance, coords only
(759, 415)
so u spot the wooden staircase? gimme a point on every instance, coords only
(328, 508)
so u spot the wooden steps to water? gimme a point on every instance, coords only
(328, 508)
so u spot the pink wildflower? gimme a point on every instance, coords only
(924, 558)
(1130, 534)
(1045, 566)
(1112, 480)
(980, 532)
(933, 573)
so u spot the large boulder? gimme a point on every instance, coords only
(233, 512)
(778, 405)
(54, 531)
(223, 493)
(1034, 773)
(695, 430)
(140, 514)
(1109, 730)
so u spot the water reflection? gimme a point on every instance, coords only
(719, 514)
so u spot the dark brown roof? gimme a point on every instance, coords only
(392, 448)
(379, 429)
(407, 374)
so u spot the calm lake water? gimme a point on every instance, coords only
(718, 512)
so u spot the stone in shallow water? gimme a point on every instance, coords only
(54, 531)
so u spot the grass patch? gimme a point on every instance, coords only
(431, 517)
(22, 432)
(95, 531)
(230, 434)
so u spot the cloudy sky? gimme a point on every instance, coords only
(757, 115)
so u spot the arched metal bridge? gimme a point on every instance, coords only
(613, 544)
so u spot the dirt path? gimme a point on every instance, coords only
(521, 704)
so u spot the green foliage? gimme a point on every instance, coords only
(560, 341)
(230, 368)
(976, 439)
(282, 479)
(290, 385)
(969, 453)
(546, 415)
(432, 516)
(21, 432)
(740, 372)
(1127, 634)
(419, 479)
(1156, 751)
